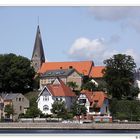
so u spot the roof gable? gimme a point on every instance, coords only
(58, 88)
(96, 71)
(97, 97)
(56, 82)
(45, 92)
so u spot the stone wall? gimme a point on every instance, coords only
(49, 126)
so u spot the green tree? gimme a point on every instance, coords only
(72, 85)
(78, 109)
(9, 110)
(16, 73)
(119, 75)
(33, 111)
(58, 108)
(89, 86)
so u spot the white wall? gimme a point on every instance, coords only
(137, 84)
(42, 102)
(68, 101)
(87, 105)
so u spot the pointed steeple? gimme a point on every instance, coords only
(38, 56)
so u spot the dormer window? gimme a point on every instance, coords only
(70, 67)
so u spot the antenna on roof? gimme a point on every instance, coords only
(38, 20)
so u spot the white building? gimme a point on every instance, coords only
(55, 91)
(137, 80)
(96, 102)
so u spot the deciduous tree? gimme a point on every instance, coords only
(16, 73)
(119, 76)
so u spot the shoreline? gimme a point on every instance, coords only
(68, 126)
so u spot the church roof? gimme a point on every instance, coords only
(83, 67)
(38, 47)
(58, 73)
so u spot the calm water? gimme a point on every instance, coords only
(69, 131)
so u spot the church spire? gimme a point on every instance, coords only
(38, 56)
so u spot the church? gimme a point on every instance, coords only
(85, 68)
(54, 79)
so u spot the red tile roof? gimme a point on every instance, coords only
(83, 67)
(94, 96)
(60, 89)
(96, 71)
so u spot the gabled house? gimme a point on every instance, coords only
(18, 101)
(66, 75)
(96, 102)
(52, 92)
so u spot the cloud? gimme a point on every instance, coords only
(96, 50)
(115, 13)
(127, 16)
(86, 49)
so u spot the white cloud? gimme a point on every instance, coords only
(96, 50)
(115, 13)
(84, 48)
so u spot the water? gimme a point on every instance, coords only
(70, 132)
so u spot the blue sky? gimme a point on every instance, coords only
(72, 33)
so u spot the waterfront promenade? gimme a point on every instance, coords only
(68, 126)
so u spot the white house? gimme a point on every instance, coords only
(96, 102)
(55, 91)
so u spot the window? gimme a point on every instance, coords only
(20, 108)
(45, 107)
(96, 102)
(82, 101)
(45, 98)
(49, 80)
(70, 67)
(19, 99)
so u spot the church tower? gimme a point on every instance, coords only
(38, 56)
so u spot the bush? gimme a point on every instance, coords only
(125, 109)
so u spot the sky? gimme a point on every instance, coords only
(72, 33)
